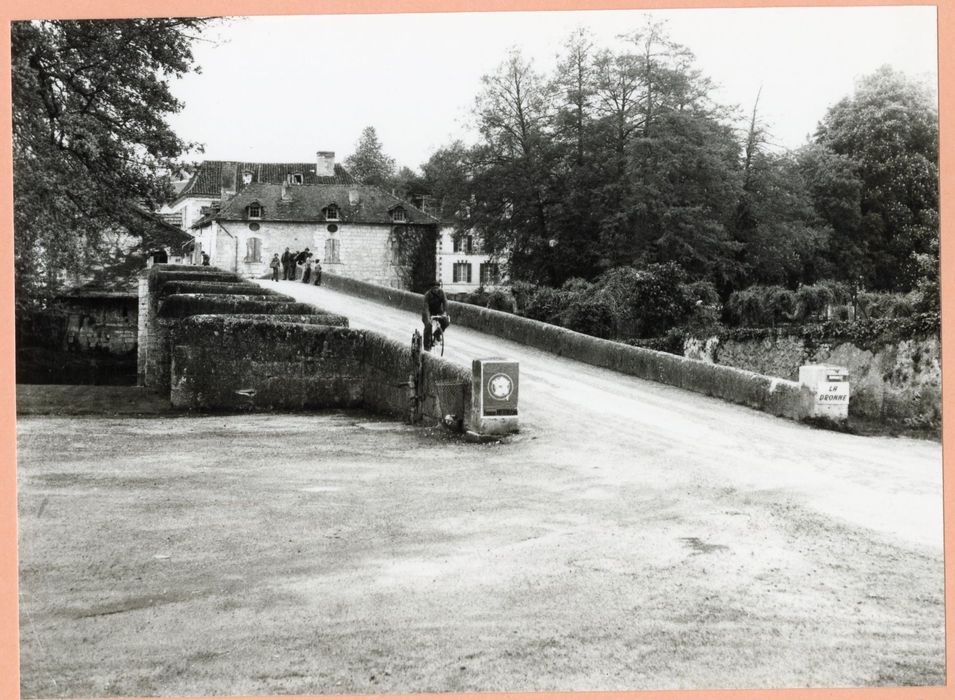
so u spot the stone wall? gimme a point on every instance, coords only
(83, 338)
(151, 344)
(176, 307)
(764, 393)
(364, 250)
(228, 362)
(891, 383)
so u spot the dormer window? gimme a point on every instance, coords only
(398, 214)
(331, 212)
(295, 178)
(255, 211)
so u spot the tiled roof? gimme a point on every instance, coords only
(154, 231)
(208, 179)
(362, 204)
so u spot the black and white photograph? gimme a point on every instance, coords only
(370, 354)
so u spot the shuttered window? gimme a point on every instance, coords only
(253, 250)
(331, 250)
(490, 274)
(461, 272)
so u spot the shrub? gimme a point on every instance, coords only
(704, 320)
(874, 305)
(762, 306)
(522, 292)
(547, 305)
(701, 290)
(577, 285)
(501, 300)
(865, 334)
(812, 301)
(646, 302)
(478, 297)
(590, 316)
(672, 342)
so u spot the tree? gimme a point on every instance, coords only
(446, 176)
(783, 240)
(512, 167)
(889, 130)
(575, 85)
(90, 137)
(369, 163)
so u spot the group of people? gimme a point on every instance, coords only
(291, 261)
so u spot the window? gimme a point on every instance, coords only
(331, 250)
(490, 274)
(461, 272)
(331, 212)
(398, 214)
(253, 250)
(464, 244)
(255, 210)
(456, 244)
(295, 178)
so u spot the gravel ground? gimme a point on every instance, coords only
(339, 553)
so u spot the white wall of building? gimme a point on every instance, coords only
(364, 251)
(453, 265)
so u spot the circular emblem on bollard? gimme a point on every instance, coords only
(500, 386)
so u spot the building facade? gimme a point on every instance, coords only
(462, 265)
(354, 230)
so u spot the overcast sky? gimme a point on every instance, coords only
(281, 88)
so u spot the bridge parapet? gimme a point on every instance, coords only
(215, 287)
(161, 282)
(229, 362)
(773, 395)
(151, 283)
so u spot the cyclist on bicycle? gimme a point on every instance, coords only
(435, 304)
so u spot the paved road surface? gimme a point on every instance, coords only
(891, 486)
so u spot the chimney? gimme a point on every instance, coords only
(325, 164)
(286, 195)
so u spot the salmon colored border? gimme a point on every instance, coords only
(26, 9)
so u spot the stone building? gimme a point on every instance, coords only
(215, 181)
(462, 264)
(355, 230)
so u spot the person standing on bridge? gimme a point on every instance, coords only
(300, 262)
(275, 265)
(286, 264)
(435, 304)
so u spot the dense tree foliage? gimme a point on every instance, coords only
(887, 134)
(90, 138)
(620, 166)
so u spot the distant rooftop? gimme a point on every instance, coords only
(211, 175)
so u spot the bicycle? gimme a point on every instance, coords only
(437, 333)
